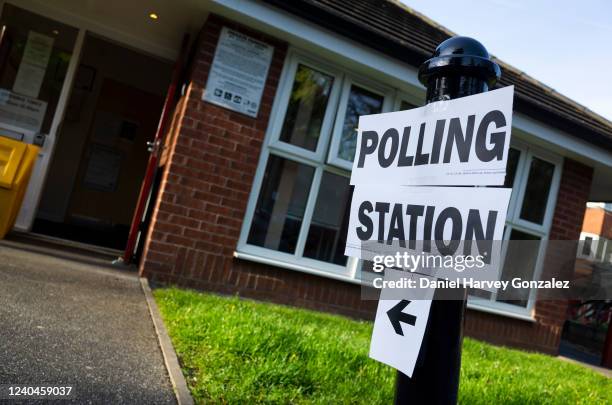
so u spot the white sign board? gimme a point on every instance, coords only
(400, 326)
(21, 112)
(399, 213)
(447, 143)
(456, 142)
(238, 72)
(33, 64)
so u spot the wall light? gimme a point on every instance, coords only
(153, 16)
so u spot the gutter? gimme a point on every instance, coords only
(404, 52)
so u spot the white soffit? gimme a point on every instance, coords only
(127, 21)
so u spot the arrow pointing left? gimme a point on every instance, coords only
(390, 345)
(396, 316)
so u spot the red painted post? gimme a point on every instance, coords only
(147, 182)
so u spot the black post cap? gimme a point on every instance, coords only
(460, 56)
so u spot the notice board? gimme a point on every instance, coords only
(238, 72)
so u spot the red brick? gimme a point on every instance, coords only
(203, 216)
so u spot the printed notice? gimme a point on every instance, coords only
(103, 168)
(238, 73)
(447, 143)
(21, 112)
(33, 64)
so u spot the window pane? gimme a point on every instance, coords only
(513, 159)
(473, 292)
(280, 208)
(328, 229)
(306, 109)
(586, 248)
(511, 165)
(404, 105)
(360, 102)
(600, 249)
(520, 262)
(537, 190)
(606, 255)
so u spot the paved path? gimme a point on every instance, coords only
(72, 321)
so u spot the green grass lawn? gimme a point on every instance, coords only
(239, 351)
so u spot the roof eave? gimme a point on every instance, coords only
(405, 53)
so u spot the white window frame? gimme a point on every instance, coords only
(293, 60)
(409, 97)
(315, 159)
(605, 250)
(513, 221)
(349, 80)
(295, 259)
(595, 242)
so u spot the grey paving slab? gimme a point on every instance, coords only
(64, 320)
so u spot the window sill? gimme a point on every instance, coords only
(497, 311)
(297, 267)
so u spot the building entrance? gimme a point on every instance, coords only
(101, 151)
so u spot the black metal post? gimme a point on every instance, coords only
(460, 66)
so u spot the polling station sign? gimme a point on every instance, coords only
(406, 205)
(428, 222)
(455, 142)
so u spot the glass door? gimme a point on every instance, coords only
(35, 65)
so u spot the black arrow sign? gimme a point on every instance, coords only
(396, 316)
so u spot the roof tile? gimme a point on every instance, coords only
(411, 37)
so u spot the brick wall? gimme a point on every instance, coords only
(593, 220)
(203, 195)
(211, 162)
(206, 181)
(571, 201)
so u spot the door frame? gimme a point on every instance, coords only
(35, 189)
(29, 206)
